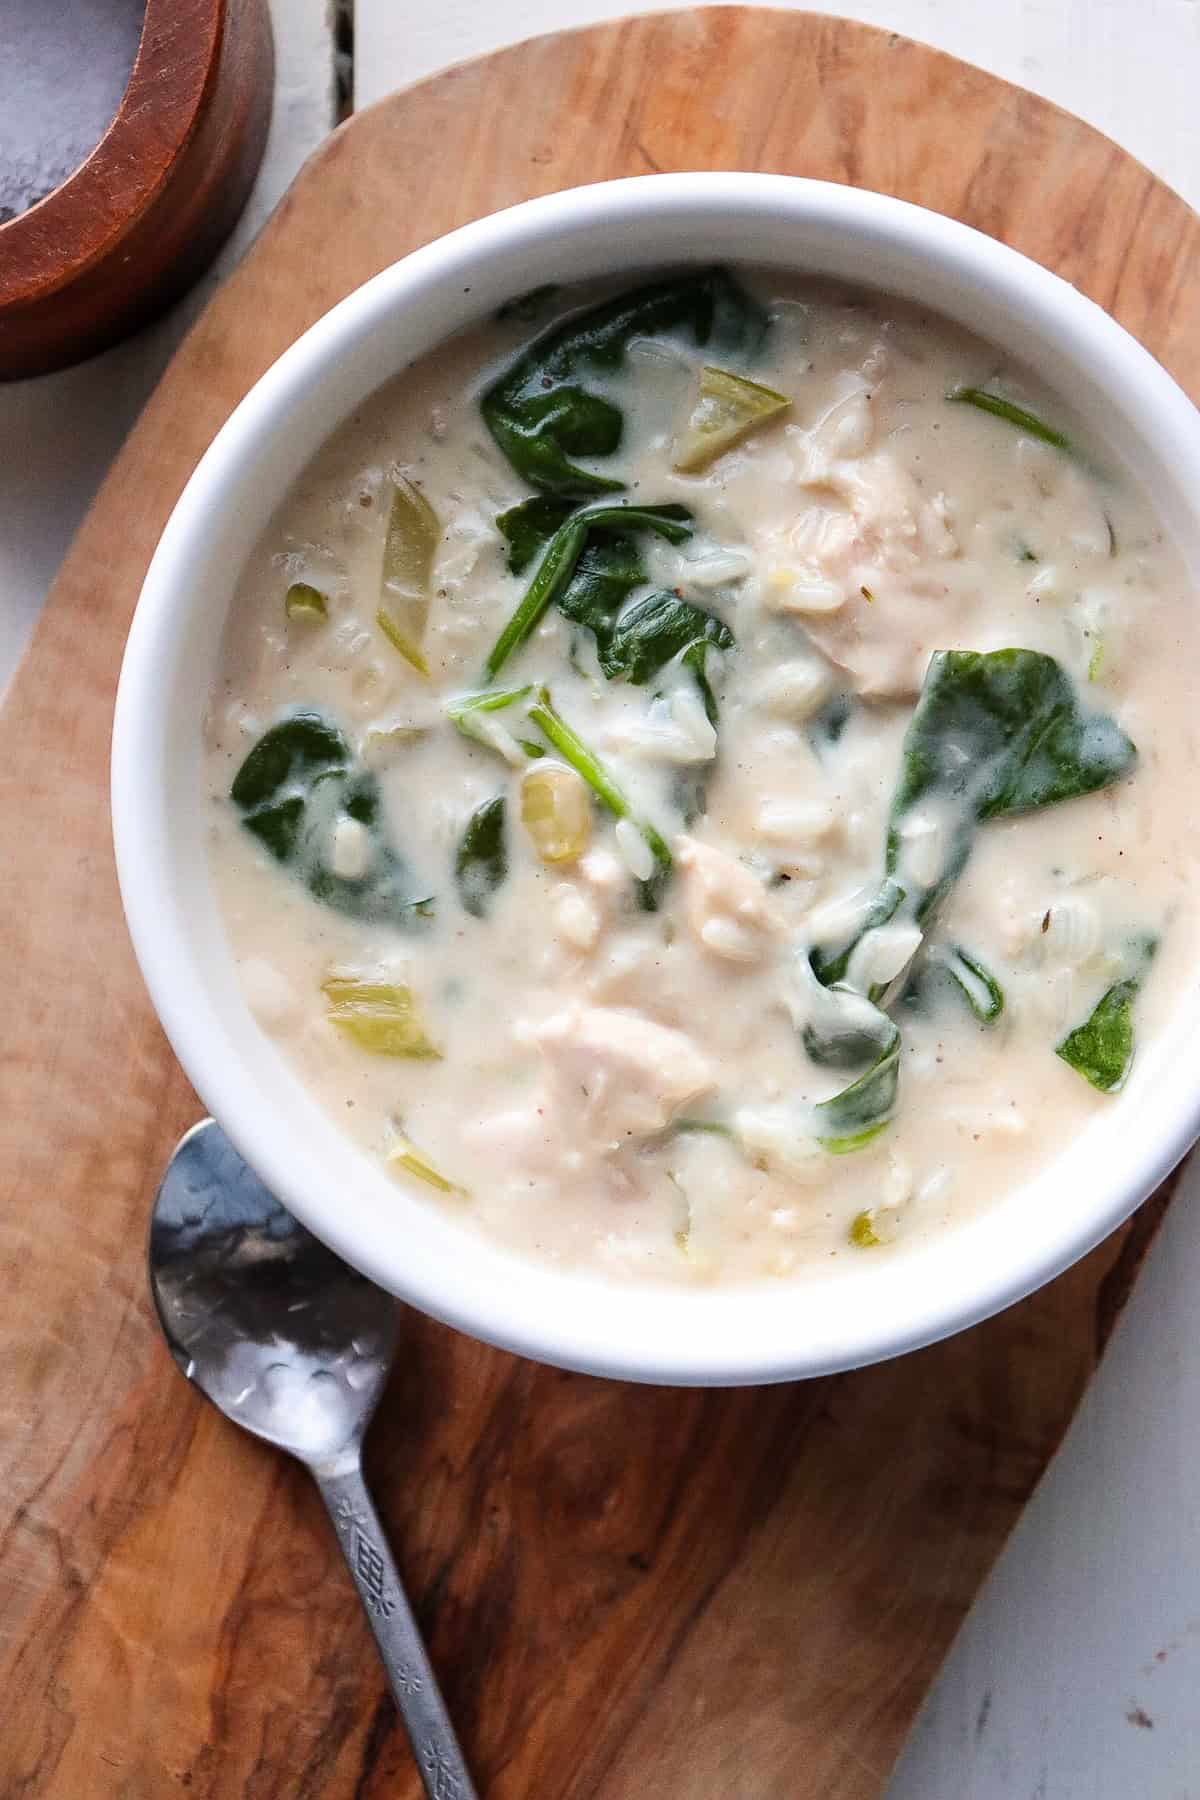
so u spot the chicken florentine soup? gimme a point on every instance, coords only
(696, 775)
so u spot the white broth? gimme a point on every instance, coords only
(814, 870)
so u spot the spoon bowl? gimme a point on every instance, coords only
(281, 1335)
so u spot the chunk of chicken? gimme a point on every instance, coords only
(619, 1073)
(725, 904)
(856, 566)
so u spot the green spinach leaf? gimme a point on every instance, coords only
(608, 570)
(651, 631)
(528, 527)
(297, 782)
(636, 642)
(695, 659)
(1003, 732)
(839, 1027)
(589, 563)
(481, 862)
(980, 989)
(542, 416)
(1000, 408)
(1102, 1048)
(859, 1112)
(994, 733)
(830, 966)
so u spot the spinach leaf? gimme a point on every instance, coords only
(528, 527)
(830, 966)
(1003, 732)
(994, 734)
(828, 724)
(1000, 408)
(859, 1113)
(695, 659)
(295, 785)
(980, 989)
(947, 972)
(689, 794)
(651, 631)
(1101, 1049)
(294, 752)
(601, 572)
(540, 413)
(839, 1027)
(608, 570)
(481, 862)
(847, 1047)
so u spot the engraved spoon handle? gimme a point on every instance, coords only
(413, 1682)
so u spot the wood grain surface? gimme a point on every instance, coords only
(629, 1591)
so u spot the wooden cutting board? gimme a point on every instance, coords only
(704, 1596)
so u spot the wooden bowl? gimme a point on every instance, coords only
(146, 212)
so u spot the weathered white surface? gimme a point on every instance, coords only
(61, 432)
(1075, 1676)
(1040, 1698)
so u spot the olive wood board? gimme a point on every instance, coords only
(737, 1595)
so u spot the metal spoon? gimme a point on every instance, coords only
(287, 1340)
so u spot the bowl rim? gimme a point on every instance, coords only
(610, 1327)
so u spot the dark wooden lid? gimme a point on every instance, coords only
(144, 214)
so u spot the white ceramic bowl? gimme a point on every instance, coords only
(873, 1307)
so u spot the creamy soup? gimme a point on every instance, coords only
(695, 776)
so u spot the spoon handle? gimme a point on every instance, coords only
(413, 1682)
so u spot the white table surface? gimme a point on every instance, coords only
(1077, 1676)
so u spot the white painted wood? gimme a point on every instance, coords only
(1075, 1678)
(1092, 1618)
(60, 432)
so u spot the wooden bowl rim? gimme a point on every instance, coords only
(76, 225)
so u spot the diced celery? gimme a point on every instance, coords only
(409, 545)
(303, 601)
(729, 408)
(382, 742)
(409, 649)
(380, 1016)
(571, 747)
(403, 1154)
(862, 1232)
(556, 811)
